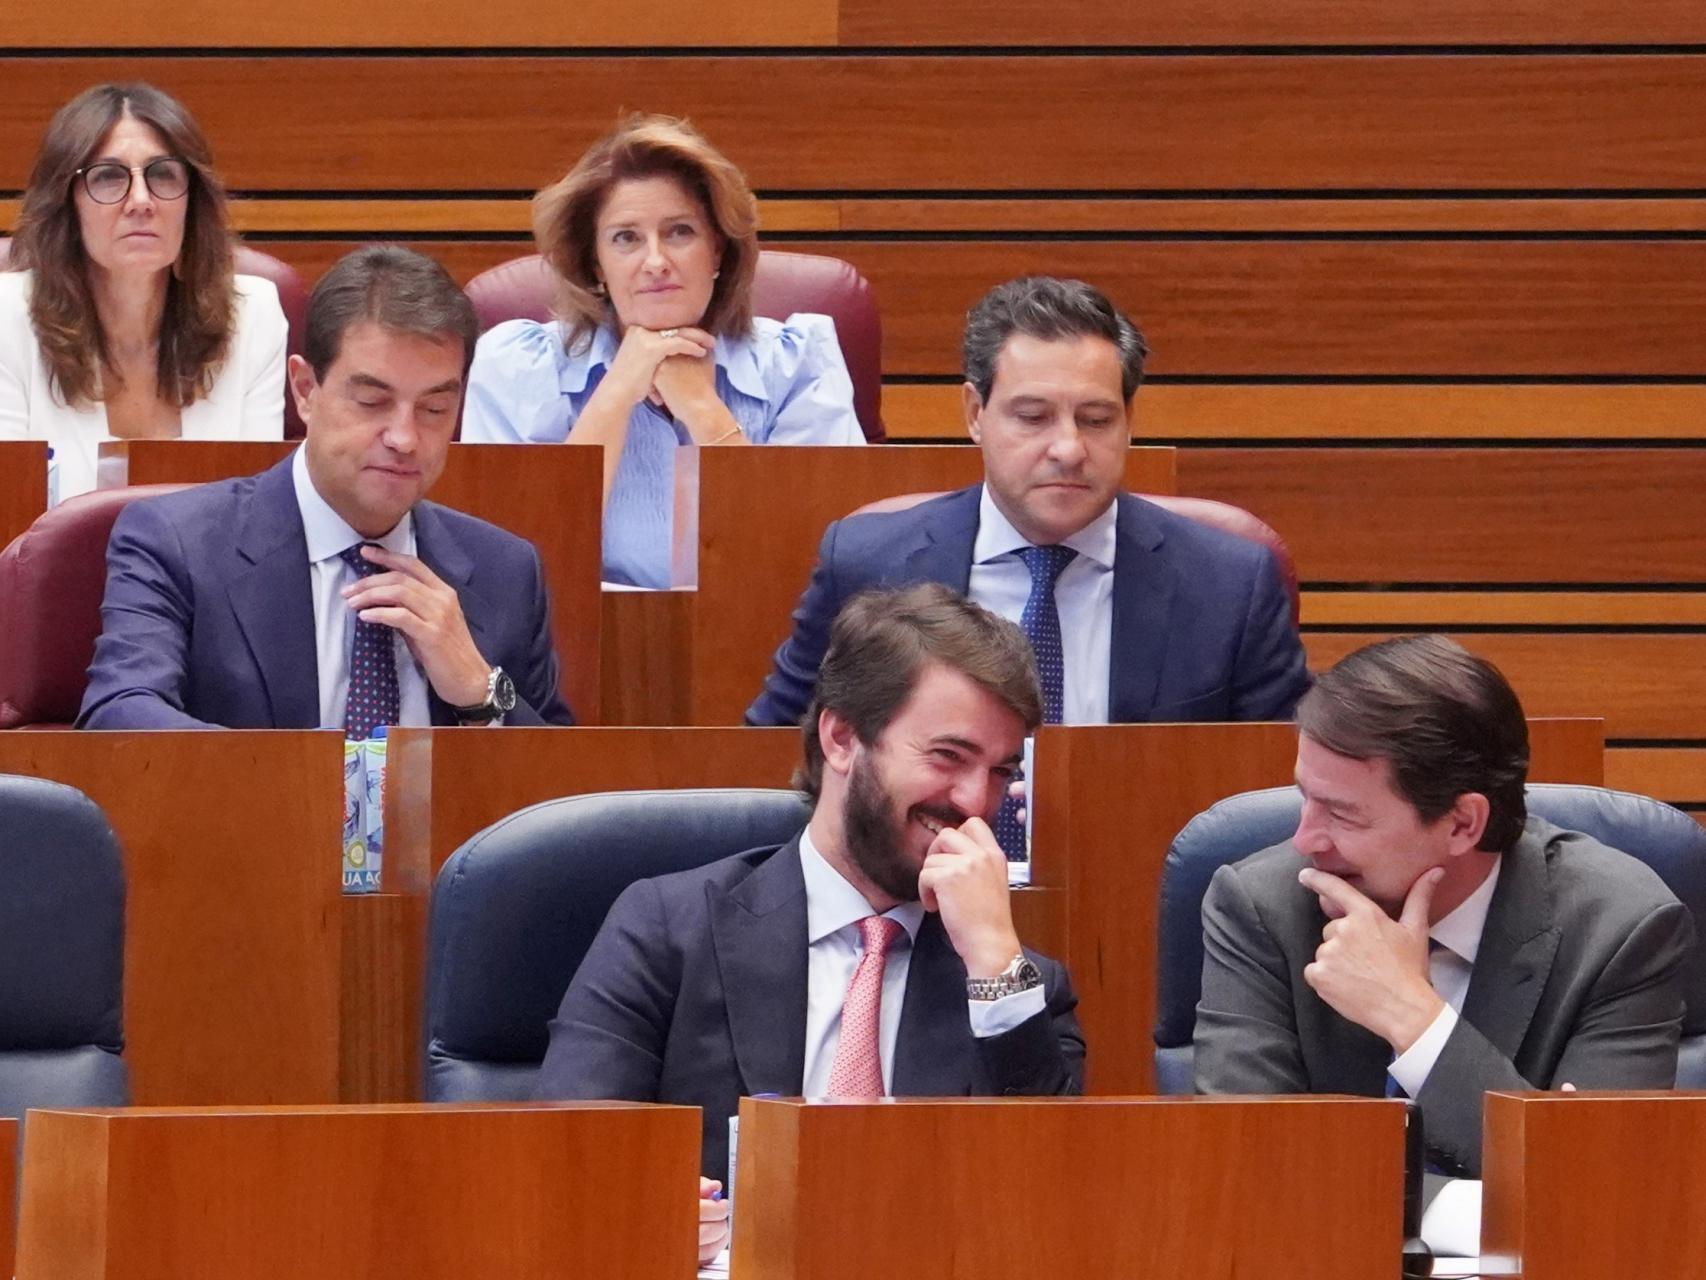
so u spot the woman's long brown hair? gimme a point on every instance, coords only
(201, 300)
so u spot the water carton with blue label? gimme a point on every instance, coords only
(364, 813)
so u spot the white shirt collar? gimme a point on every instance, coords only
(832, 903)
(327, 533)
(997, 537)
(1459, 930)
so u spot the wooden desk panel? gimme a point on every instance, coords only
(384, 1193)
(23, 486)
(755, 553)
(547, 494)
(890, 122)
(1241, 1195)
(1631, 1207)
(1445, 515)
(232, 935)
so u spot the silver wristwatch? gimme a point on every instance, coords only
(1019, 976)
(500, 700)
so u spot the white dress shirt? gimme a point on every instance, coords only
(1450, 966)
(1083, 596)
(334, 621)
(245, 402)
(833, 911)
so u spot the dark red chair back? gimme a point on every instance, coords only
(521, 289)
(52, 577)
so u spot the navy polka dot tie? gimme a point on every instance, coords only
(1041, 624)
(373, 696)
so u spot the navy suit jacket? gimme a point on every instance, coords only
(694, 992)
(1202, 620)
(208, 618)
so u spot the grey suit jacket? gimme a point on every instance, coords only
(1578, 979)
(694, 991)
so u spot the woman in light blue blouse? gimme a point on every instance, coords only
(653, 236)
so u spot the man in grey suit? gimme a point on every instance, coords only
(1421, 936)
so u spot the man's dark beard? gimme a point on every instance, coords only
(874, 834)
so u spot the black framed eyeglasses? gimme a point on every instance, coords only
(108, 181)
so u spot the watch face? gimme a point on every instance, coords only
(504, 694)
(1026, 973)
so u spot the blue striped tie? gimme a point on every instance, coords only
(1041, 624)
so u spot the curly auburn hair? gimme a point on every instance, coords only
(201, 300)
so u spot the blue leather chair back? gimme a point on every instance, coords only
(1666, 839)
(61, 950)
(517, 906)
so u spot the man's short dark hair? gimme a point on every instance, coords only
(396, 288)
(881, 643)
(1447, 722)
(1050, 309)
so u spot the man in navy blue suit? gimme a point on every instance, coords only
(261, 602)
(1161, 618)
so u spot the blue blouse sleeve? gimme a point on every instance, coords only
(514, 396)
(811, 394)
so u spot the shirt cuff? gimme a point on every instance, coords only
(998, 1017)
(1410, 1068)
(1451, 1225)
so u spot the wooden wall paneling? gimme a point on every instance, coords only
(1551, 121)
(646, 652)
(1251, 22)
(1444, 515)
(1645, 686)
(1215, 412)
(1676, 774)
(233, 949)
(386, 1193)
(749, 581)
(384, 940)
(441, 24)
(1264, 308)
(23, 486)
(1554, 608)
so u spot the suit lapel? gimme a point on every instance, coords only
(933, 1044)
(758, 932)
(273, 601)
(942, 552)
(1518, 944)
(1143, 603)
(438, 547)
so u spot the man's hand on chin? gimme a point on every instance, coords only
(964, 879)
(1371, 968)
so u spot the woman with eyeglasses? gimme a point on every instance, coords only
(653, 239)
(120, 315)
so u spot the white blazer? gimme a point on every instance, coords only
(246, 401)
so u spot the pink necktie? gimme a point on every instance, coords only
(857, 1071)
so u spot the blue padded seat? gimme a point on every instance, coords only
(516, 907)
(1666, 839)
(61, 950)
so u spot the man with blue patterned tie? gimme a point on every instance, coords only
(327, 592)
(1137, 614)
